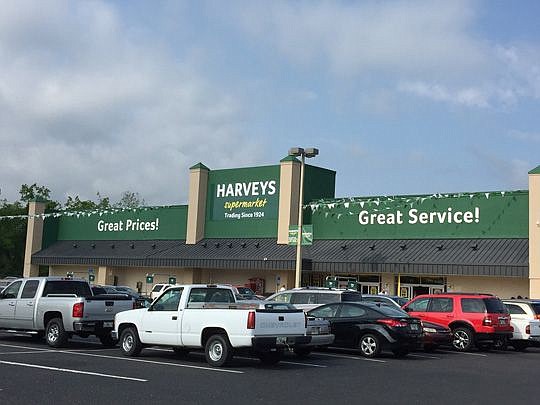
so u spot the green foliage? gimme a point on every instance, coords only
(13, 230)
(76, 204)
(12, 239)
(130, 199)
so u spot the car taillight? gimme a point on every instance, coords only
(537, 316)
(78, 310)
(487, 321)
(394, 323)
(251, 320)
(305, 320)
(528, 329)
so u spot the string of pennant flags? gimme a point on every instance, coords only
(387, 203)
(373, 204)
(79, 214)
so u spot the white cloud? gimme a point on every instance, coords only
(428, 48)
(92, 109)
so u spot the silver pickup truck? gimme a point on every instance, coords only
(59, 308)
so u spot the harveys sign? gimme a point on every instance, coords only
(245, 200)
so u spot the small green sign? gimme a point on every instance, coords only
(149, 279)
(352, 285)
(172, 280)
(307, 234)
(330, 282)
(91, 278)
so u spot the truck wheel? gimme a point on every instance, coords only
(270, 358)
(107, 340)
(55, 334)
(519, 345)
(463, 339)
(218, 350)
(130, 343)
(302, 351)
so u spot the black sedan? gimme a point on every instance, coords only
(371, 327)
(436, 335)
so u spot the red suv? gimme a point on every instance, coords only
(475, 319)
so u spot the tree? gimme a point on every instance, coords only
(29, 193)
(12, 239)
(130, 199)
(76, 204)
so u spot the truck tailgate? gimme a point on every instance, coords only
(105, 306)
(535, 329)
(279, 322)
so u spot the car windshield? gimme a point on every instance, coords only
(401, 301)
(157, 287)
(391, 310)
(495, 306)
(245, 290)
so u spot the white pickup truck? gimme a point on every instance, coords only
(58, 308)
(189, 317)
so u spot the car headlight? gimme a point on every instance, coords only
(430, 330)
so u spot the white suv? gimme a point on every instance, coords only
(523, 312)
(307, 298)
(158, 289)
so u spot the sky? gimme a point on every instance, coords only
(400, 97)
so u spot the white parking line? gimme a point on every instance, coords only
(342, 356)
(219, 370)
(467, 353)
(67, 370)
(29, 352)
(285, 362)
(423, 356)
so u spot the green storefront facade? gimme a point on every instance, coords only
(233, 230)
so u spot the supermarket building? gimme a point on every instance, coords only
(235, 230)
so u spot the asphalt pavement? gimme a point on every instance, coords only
(87, 373)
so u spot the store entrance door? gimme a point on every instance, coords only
(369, 288)
(419, 290)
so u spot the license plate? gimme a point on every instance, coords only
(281, 340)
(502, 321)
(414, 326)
(107, 324)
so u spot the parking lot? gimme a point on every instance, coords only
(86, 372)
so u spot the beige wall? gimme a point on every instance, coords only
(501, 287)
(34, 237)
(534, 235)
(198, 188)
(289, 189)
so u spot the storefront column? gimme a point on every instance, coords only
(101, 276)
(289, 193)
(534, 233)
(387, 283)
(34, 236)
(198, 190)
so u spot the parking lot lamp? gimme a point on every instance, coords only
(303, 153)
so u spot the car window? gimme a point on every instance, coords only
(351, 310)
(441, 305)
(328, 298)
(536, 307)
(157, 288)
(494, 306)
(351, 297)
(79, 288)
(420, 305)
(211, 295)
(30, 289)
(304, 298)
(326, 311)
(285, 297)
(390, 310)
(515, 309)
(13, 290)
(169, 300)
(473, 305)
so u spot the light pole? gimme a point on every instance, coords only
(303, 153)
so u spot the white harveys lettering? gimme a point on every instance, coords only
(253, 188)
